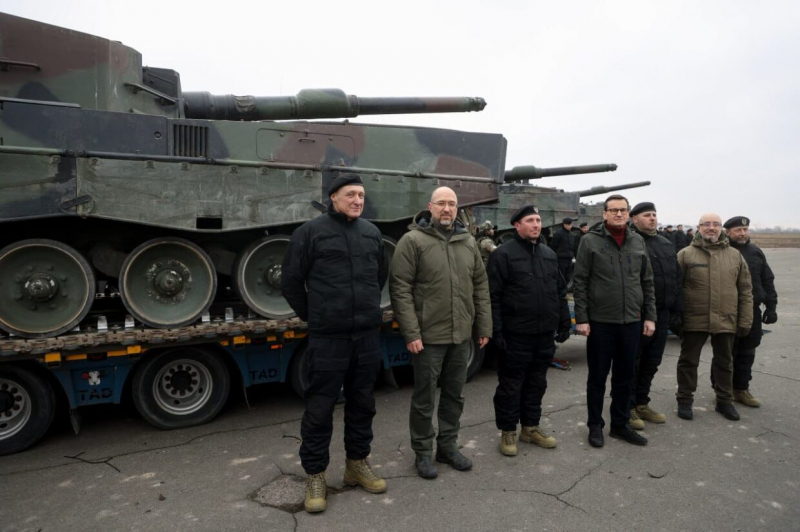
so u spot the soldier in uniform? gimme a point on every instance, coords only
(485, 240)
(744, 349)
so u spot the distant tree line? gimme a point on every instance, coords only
(776, 229)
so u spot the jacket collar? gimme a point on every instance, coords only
(422, 222)
(722, 243)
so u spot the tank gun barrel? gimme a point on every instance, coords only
(523, 173)
(317, 103)
(605, 190)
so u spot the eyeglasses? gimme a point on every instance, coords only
(443, 204)
(710, 224)
(617, 211)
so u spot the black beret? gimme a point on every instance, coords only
(584, 224)
(566, 220)
(669, 227)
(344, 180)
(645, 206)
(737, 221)
(525, 210)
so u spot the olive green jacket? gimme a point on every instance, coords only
(438, 286)
(717, 290)
(613, 284)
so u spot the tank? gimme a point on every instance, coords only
(126, 197)
(554, 204)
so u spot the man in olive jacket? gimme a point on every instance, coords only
(718, 302)
(439, 292)
(614, 305)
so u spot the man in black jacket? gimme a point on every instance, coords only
(529, 304)
(681, 240)
(563, 243)
(333, 274)
(668, 282)
(744, 349)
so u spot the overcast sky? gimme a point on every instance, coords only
(699, 97)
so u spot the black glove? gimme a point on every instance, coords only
(563, 335)
(770, 316)
(499, 341)
(742, 332)
(676, 323)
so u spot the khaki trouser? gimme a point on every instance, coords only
(447, 365)
(721, 365)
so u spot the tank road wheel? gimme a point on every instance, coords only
(167, 282)
(181, 388)
(257, 277)
(27, 405)
(46, 288)
(389, 245)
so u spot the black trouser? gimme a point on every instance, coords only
(565, 267)
(744, 353)
(333, 363)
(611, 346)
(651, 351)
(522, 379)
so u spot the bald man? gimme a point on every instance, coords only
(718, 302)
(439, 292)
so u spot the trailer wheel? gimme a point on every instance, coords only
(298, 370)
(181, 388)
(475, 362)
(27, 406)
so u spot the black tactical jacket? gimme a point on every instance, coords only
(667, 275)
(333, 274)
(760, 273)
(563, 243)
(529, 295)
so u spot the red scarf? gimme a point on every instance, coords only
(618, 234)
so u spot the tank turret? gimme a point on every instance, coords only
(524, 173)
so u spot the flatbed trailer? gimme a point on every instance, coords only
(175, 377)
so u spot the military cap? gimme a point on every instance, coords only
(343, 181)
(486, 226)
(566, 220)
(737, 221)
(644, 206)
(585, 224)
(669, 227)
(525, 210)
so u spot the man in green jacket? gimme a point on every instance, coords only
(718, 302)
(439, 292)
(615, 305)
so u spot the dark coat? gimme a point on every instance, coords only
(563, 243)
(760, 274)
(333, 274)
(681, 240)
(529, 295)
(667, 275)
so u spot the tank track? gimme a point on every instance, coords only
(100, 340)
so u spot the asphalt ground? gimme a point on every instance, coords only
(706, 474)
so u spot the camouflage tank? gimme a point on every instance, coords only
(123, 194)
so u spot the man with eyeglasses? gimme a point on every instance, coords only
(615, 305)
(744, 349)
(718, 302)
(439, 293)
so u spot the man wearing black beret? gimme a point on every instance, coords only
(529, 304)
(333, 274)
(668, 283)
(744, 349)
(563, 243)
(584, 228)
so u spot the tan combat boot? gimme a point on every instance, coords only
(635, 421)
(648, 414)
(358, 472)
(508, 443)
(746, 398)
(316, 493)
(537, 436)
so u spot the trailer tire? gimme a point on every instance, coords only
(298, 370)
(475, 361)
(27, 407)
(202, 389)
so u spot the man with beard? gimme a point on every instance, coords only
(668, 282)
(615, 305)
(333, 273)
(744, 349)
(529, 304)
(718, 302)
(439, 294)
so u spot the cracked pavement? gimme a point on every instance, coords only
(706, 474)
